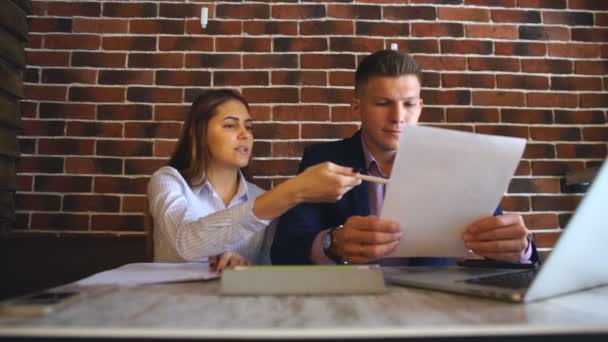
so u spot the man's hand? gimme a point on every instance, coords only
(218, 262)
(367, 238)
(503, 237)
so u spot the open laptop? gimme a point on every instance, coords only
(576, 262)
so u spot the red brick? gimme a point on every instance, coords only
(72, 41)
(568, 18)
(523, 168)
(472, 115)
(432, 114)
(591, 67)
(60, 221)
(95, 59)
(446, 97)
(129, 10)
(588, 4)
(62, 184)
(27, 146)
(42, 127)
(35, 41)
(354, 11)
(300, 113)
(124, 148)
(580, 117)
(601, 19)
(333, 61)
(223, 61)
(297, 11)
(114, 77)
(70, 8)
(463, 14)
(509, 131)
(441, 63)
(183, 78)
(356, 44)
(498, 98)
(25, 183)
(542, 3)
(546, 239)
(124, 112)
(274, 167)
(476, 47)
(585, 151)
(437, 30)
(155, 94)
(45, 92)
(254, 27)
(170, 112)
(342, 78)
(407, 13)
(539, 151)
(66, 110)
(143, 166)
(599, 35)
(133, 203)
(492, 63)
(515, 203)
(325, 131)
(529, 116)
(598, 100)
(66, 146)
(45, 25)
(555, 203)
(276, 131)
(156, 60)
(541, 221)
(575, 50)
(534, 185)
(555, 168)
(595, 133)
(547, 66)
(544, 33)
(261, 149)
(94, 129)
(555, 133)
(164, 148)
(180, 10)
(31, 164)
(156, 26)
(172, 43)
(259, 112)
(214, 27)
(238, 78)
(372, 28)
(522, 82)
(47, 58)
(121, 185)
(288, 149)
(492, 31)
(299, 44)
(97, 94)
(91, 165)
(237, 44)
(514, 16)
(91, 203)
(245, 11)
(318, 78)
(69, 76)
(164, 130)
(271, 95)
(270, 61)
(416, 45)
(519, 49)
(326, 95)
(342, 113)
(576, 83)
(130, 43)
(117, 222)
(552, 100)
(100, 25)
(321, 27)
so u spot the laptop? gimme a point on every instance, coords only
(575, 263)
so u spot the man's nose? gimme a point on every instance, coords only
(399, 113)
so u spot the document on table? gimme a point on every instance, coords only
(151, 273)
(443, 180)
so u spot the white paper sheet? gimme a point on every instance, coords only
(150, 273)
(443, 180)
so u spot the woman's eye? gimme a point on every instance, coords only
(229, 126)
(249, 128)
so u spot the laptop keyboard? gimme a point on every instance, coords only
(516, 280)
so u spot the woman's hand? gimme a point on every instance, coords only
(218, 262)
(325, 182)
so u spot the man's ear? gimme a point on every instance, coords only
(355, 106)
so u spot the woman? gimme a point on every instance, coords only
(202, 205)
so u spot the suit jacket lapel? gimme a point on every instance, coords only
(359, 198)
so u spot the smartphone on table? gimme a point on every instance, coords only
(38, 303)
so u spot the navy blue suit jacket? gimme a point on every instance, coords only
(298, 227)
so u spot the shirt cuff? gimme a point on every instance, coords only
(528, 253)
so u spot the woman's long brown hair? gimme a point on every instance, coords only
(191, 155)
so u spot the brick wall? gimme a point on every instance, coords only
(108, 83)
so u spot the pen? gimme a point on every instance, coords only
(373, 179)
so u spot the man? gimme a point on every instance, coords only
(387, 98)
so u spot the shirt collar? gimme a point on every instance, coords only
(371, 164)
(242, 191)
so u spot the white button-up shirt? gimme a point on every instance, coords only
(192, 224)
